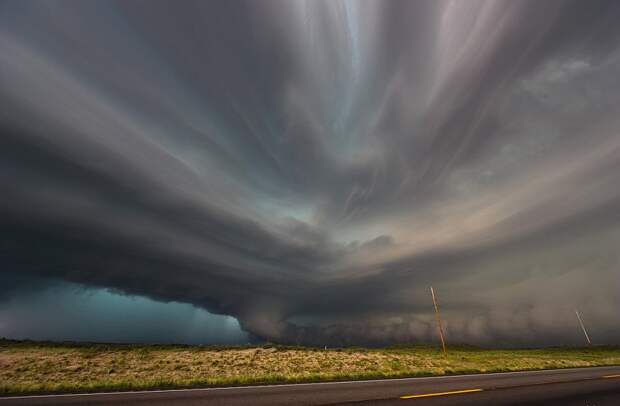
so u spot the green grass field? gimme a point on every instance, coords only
(27, 367)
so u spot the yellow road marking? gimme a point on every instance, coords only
(612, 376)
(455, 392)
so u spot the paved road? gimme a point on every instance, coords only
(567, 387)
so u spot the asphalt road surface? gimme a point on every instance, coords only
(566, 387)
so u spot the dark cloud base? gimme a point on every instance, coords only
(310, 168)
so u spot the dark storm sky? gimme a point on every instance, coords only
(311, 167)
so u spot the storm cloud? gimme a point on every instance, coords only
(312, 167)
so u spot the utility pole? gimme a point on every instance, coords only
(585, 333)
(438, 318)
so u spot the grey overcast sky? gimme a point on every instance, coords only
(303, 171)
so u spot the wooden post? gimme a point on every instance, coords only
(439, 326)
(583, 327)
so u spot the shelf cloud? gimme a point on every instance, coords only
(312, 167)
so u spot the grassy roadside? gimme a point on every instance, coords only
(30, 367)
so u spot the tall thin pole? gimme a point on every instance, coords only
(438, 317)
(585, 333)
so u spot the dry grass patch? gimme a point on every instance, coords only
(27, 367)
